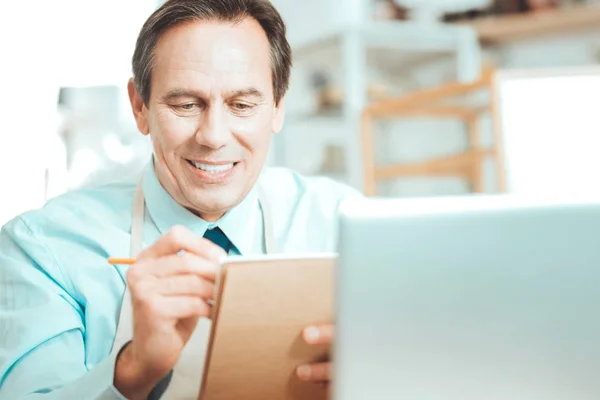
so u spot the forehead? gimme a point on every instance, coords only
(207, 55)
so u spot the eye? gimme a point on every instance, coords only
(242, 106)
(187, 109)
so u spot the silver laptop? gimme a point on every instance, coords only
(468, 298)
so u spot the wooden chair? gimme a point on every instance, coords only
(467, 165)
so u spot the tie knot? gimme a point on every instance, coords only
(217, 236)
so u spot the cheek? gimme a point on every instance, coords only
(172, 131)
(254, 133)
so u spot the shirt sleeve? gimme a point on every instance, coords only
(42, 329)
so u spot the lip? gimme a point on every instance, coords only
(213, 162)
(210, 177)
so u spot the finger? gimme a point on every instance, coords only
(173, 265)
(184, 264)
(176, 307)
(186, 285)
(321, 334)
(315, 372)
(180, 238)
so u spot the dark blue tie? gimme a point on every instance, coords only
(217, 236)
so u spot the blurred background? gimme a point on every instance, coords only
(394, 97)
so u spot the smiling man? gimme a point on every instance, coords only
(208, 87)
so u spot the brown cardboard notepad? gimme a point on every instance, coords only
(262, 306)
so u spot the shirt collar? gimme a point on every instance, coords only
(238, 224)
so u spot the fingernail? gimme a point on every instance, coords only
(312, 334)
(304, 372)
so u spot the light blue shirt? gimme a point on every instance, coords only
(60, 300)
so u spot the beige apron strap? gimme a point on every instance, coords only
(137, 222)
(125, 325)
(269, 235)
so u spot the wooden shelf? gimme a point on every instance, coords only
(521, 26)
(452, 165)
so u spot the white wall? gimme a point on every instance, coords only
(45, 45)
(27, 105)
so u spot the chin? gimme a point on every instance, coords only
(214, 200)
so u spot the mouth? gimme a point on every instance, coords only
(213, 172)
(212, 168)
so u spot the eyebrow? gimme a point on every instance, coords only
(247, 92)
(177, 93)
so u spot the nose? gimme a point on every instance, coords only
(213, 131)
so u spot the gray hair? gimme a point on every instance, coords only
(174, 12)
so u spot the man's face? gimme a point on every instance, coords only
(211, 112)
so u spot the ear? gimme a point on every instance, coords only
(140, 111)
(278, 117)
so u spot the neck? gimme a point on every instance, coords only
(208, 217)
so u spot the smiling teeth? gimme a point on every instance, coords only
(213, 169)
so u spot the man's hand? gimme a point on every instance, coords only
(169, 292)
(318, 373)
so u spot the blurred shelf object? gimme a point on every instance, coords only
(427, 11)
(385, 10)
(498, 29)
(467, 164)
(333, 161)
